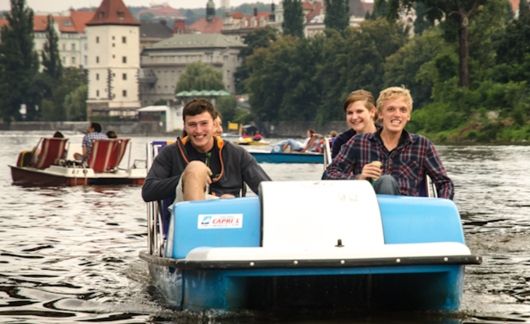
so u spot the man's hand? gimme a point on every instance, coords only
(371, 171)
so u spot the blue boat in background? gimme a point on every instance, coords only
(287, 157)
(309, 245)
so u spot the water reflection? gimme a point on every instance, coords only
(71, 254)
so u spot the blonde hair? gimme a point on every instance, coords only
(393, 93)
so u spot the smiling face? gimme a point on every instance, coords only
(200, 129)
(360, 118)
(395, 114)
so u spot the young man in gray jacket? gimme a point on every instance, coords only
(201, 165)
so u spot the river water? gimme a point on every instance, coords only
(71, 254)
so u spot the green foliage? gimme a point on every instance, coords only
(419, 64)
(423, 20)
(20, 63)
(293, 18)
(200, 76)
(258, 38)
(51, 61)
(337, 14)
(227, 106)
(307, 79)
(75, 103)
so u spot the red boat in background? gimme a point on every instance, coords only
(47, 165)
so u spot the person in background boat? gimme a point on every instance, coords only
(112, 134)
(331, 137)
(93, 133)
(201, 165)
(359, 108)
(218, 124)
(58, 134)
(314, 142)
(396, 161)
(257, 137)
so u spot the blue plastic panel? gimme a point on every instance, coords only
(215, 223)
(419, 220)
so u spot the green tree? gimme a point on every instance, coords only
(355, 60)
(523, 8)
(454, 17)
(75, 103)
(337, 14)
(20, 63)
(200, 76)
(51, 60)
(258, 38)
(227, 106)
(380, 9)
(293, 18)
(423, 61)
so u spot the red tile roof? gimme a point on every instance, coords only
(113, 12)
(163, 10)
(40, 23)
(3, 22)
(81, 18)
(208, 27)
(75, 23)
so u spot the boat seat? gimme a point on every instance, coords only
(106, 154)
(320, 214)
(48, 152)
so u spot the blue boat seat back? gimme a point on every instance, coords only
(320, 214)
(420, 220)
(164, 204)
(214, 223)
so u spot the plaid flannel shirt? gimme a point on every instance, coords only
(409, 163)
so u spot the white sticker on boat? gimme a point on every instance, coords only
(222, 221)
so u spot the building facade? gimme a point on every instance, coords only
(113, 65)
(164, 62)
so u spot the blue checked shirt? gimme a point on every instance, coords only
(409, 163)
(89, 137)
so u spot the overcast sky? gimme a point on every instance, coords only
(60, 5)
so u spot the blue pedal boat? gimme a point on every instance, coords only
(309, 245)
(284, 157)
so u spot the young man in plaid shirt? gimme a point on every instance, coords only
(394, 159)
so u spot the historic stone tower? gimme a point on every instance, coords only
(113, 61)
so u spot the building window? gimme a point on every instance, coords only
(97, 59)
(124, 39)
(124, 76)
(124, 59)
(97, 39)
(97, 76)
(124, 93)
(97, 93)
(73, 60)
(73, 46)
(64, 47)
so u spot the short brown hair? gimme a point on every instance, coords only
(360, 95)
(392, 93)
(198, 106)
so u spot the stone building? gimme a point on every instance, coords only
(164, 62)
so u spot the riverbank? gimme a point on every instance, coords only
(271, 130)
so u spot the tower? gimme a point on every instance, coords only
(113, 61)
(210, 10)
